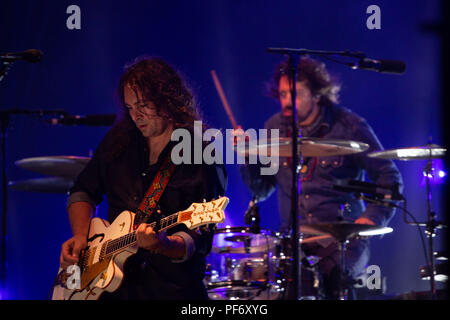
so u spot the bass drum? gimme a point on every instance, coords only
(244, 265)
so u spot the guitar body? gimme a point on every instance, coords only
(102, 274)
(109, 246)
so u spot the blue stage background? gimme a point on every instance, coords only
(80, 71)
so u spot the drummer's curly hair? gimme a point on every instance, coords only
(160, 83)
(316, 76)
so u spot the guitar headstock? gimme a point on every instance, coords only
(199, 214)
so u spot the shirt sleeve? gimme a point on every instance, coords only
(261, 186)
(380, 171)
(189, 246)
(88, 185)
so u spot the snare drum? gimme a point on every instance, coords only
(242, 265)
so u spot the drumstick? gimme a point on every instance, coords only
(224, 99)
(312, 239)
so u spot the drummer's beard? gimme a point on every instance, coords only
(288, 113)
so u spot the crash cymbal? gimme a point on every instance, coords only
(432, 151)
(60, 166)
(309, 147)
(46, 185)
(344, 230)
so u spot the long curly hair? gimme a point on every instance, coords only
(160, 83)
(316, 76)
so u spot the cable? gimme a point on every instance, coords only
(406, 212)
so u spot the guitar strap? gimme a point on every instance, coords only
(155, 191)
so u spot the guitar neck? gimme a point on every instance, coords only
(118, 244)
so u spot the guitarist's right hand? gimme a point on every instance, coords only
(71, 249)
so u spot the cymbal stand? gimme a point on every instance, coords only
(342, 288)
(430, 226)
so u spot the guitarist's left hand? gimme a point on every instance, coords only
(158, 242)
(148, 239)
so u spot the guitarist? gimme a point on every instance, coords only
(168, 265)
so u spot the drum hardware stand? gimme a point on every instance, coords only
(252, 217)
(431, 225)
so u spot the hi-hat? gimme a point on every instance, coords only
(432, 151)
(60, 166)
(309, 147)
(46, 185)
(237, 238)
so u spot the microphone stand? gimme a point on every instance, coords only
(296, 156)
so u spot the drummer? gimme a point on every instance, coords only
(320, 116)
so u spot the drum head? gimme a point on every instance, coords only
(240, 240)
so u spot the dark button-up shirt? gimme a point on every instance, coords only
(318, 201)
(124, 180)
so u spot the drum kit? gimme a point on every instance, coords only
(249, 263)
(242, 250)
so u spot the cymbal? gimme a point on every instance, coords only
(240, 240)
(425, 152)
(344, 230)
(309, 147)
(237, 238)
(46, 185)
(61, 166)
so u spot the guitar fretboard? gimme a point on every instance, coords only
(115, 245)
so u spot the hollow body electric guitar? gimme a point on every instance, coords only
(101, 263)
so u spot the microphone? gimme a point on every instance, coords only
(390, 193)
(382, 66)
(31, 55)
(92, 120)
